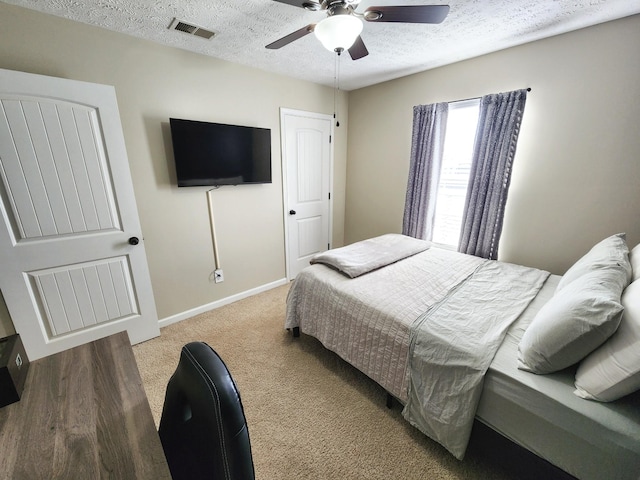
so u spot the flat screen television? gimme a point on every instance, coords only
(216, 154)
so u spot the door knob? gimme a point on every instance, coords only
(134, 241)
(292, 212)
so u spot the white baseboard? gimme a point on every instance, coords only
(219, 303)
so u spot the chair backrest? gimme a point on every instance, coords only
(203, 428)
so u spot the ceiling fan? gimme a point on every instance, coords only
(341, 29)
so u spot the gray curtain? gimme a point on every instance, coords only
(429, 124)
(495, 146)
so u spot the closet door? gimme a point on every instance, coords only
(307, 154)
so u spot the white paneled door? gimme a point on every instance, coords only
(73, 264)
(307, 156)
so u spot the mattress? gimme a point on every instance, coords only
(588, 439)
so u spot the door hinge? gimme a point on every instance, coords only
(329, 195)
(328, 246)
(329, 138)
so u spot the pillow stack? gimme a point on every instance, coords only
(590, 318)
(613, 370)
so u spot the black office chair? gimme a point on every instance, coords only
(203, 429)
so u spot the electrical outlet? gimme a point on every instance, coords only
(218, 276)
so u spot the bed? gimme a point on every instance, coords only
(366, 302)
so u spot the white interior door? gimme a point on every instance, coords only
(74, 267)
(307, 156)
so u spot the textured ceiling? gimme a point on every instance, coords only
(244, 27)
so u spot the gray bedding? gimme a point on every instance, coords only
(368, 255)
(367, 322)
(453, 343)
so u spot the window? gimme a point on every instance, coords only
(454, 174)
(478, 139)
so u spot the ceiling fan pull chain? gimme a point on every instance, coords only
(336, 86)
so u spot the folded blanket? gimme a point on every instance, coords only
(453, 343)
(367, 255)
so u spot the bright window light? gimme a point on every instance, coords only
(456, 168)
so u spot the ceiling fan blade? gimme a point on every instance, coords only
(407, 13)
(358, 50)
(292, 37)
(306, 4)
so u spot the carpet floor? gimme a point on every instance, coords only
(310, 415)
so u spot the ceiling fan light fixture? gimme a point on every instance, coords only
(338, 32)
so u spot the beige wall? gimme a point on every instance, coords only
(6, 326)
(576, 176)
(154, 83)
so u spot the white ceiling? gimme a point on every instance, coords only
(244, 27)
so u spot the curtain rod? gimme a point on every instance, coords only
(474, 98)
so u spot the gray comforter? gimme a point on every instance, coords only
(366, 320)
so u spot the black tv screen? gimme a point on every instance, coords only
(217, 154)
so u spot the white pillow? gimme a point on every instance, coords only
(576, 321)
(613, 370)
(610, 252)
(634, 258)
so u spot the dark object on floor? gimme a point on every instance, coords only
(14, 365)
(516, 461)
(203, 428)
